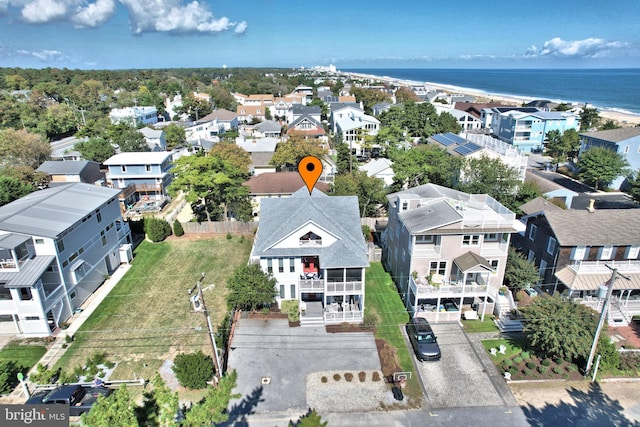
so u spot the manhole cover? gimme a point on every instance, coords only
(265, 380)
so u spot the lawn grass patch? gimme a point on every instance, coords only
(25, 353)
(477, 325)
(148, 317)
(383, 299)
(514, 347)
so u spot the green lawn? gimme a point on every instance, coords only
(148, 317)
(513, 348)
(477, 325)
(382, 298)
(25, 353)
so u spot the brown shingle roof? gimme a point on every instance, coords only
(598, 228)
(279, 183)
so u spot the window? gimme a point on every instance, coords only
(494, 264)
(104, 240)
(281, 291)
(632, 252)
(438, 267)
(269, 266)
(147, 168)
(280, 265)
(531, 256)
(405, 206)
(543, 268)
(73, 295)
(60, 245)
(39, 241)
(32, 318)
(532, 231)
(123, 168)
(293, 291)
(425, 239)
(99, 216)
(606, 252)
(471, 240)
(292, 265)
(79, 272)
(551, 246)
(578, 252)
(25, 294)
(492, 237)
(626, 149)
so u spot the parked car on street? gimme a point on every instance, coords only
(423, 339)
(79, 398)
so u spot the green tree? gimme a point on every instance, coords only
(178, 230)
(58, 120)
(571, 141)
(95, 149)
(22, 148)
(250, 288)
(127, 138)
(212, 185)
(212, 410)
(560, 327)
(426, 163)
(193, 370)
(589, 118)
(114, 410)
(160, 405)
(634, 186)
(196, 108)
(9, 370)
(222, 98)
(156, 229)
(389, 137)
(310, 419)
(175, 136)
(599, 166)
(369, 190)
(405, 94)
(527, 191)
(12, 189)
(290, 152)
(344, 158)
(490, 176)
(554, 146)
(369, 97)
(519, 272)
(609, 124)
(233, 154)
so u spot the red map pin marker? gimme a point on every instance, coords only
(310, 169)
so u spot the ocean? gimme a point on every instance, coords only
(611, 89)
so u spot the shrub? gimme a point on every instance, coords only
(348, 376)
(177, 228)
(513, 370)
(546, 362)
(507, 362)
(336, 377)
(557, 370)
(8, 375)
(531, 365)
(156, 229)
(42, 375)
(375, 377)
(193, 370)
(68, 339)
(526, 372)
(572, 368)
(323, 379)
(291, 308)
(525, 355)
(559, 361)
(229, 236)
(265, 310)
(542, 369)
(517, 359)
(369, 321)
(362, 376)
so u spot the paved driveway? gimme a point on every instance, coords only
(271, 349)
(464, 376)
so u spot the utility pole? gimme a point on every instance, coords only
(212, 338)
(603, 316)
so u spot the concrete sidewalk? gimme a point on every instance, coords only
(55, 352)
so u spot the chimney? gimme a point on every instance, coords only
(591, 208)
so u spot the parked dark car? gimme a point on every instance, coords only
(423, 339)
(79, 398)
(38, 396)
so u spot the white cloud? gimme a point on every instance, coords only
(45, 55)
(587, 48)
(174, 17)
(94, 14)
(42, 11)
(241, 27)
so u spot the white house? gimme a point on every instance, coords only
(134, 115)
(56, 247)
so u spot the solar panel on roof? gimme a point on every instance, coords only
(455, 138)
(467, 148)
(442, 139)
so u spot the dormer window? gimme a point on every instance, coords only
(310, 238)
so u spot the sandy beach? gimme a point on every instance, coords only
(624, 119)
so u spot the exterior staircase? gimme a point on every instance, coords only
(502, 310)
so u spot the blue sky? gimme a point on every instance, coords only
(116, 34)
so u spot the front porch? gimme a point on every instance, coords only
(316, 313)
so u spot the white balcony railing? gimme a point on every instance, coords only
(317, 242)
(343, 316)
(311, 285)
(425, 290)
(600, 267)
(341, 287)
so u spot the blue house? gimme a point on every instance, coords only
(625, 141)
(141, 176)
(527, 130)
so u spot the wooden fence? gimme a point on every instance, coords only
(233, 227)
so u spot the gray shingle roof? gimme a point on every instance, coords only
(538, 204)
(600, 228)
(51, 211)
(338, 215)
(63, 167)
(30, 271)
(614, 135)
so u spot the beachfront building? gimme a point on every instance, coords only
(624, 141)
(352, 126)
(57, 245)
(134, 116)
(318, 256)
(526, 128)
(447, 250)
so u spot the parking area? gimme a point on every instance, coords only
(273, 361)
(461, 378)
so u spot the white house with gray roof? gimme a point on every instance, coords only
(447, 250)
(56, 247)
(314, 247)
